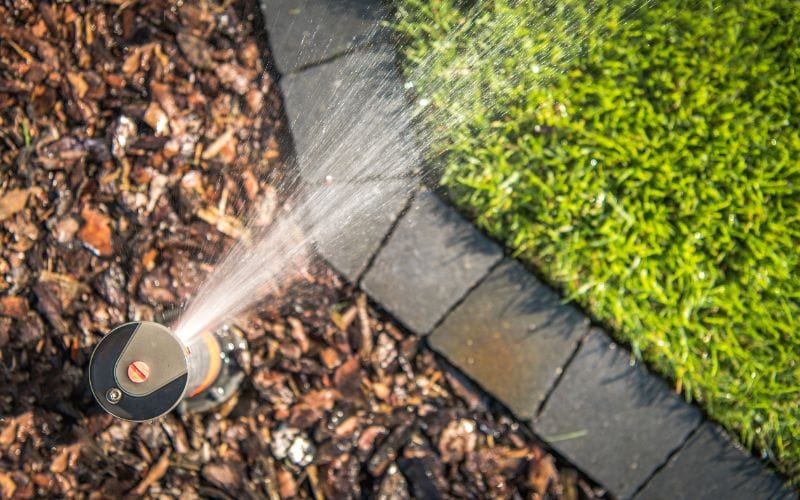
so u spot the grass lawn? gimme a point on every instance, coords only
(646, 159)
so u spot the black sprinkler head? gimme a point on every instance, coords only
(141, 370)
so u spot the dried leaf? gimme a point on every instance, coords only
(96, 232)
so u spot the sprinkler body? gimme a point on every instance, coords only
(141, 370)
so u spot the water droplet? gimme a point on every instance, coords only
(601, 198)
(536, 69)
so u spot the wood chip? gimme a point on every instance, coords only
(216, 146)
(225, 224)
(366, 332)
(7, 485)
(155, 117)
(12, 202)
(79, 85)
(9, 433)
(155, 473)
(13, 306)
(298, 333)
(287, 486)
(223, 475)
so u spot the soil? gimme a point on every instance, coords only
(132, 133)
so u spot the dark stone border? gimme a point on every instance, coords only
(440, 277)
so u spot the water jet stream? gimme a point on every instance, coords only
(363, 140)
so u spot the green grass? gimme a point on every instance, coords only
(646, 159)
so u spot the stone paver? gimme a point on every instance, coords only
(512, 335)
(711, 467)
(305, 32)
(350, 226)
(349, 118)
(614, 420)
(431, 260)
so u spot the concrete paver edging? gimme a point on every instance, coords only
(441, 278)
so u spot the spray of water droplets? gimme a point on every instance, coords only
(360, 154)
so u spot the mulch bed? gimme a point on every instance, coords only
(131, 136)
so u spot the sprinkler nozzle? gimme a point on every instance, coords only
(140, 371)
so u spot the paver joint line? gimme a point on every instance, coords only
(511, 316)
(560, 376)
(433, 257)
(632, 421)
(305, 32)
(710, 465)
(669, 457)
(463, 297)
(386, 237)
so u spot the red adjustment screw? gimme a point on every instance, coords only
(138, 372)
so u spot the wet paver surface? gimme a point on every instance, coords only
(513, 335)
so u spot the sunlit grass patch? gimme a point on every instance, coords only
(646, 158)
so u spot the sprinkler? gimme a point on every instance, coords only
(141, 370)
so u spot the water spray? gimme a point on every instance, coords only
(142, 370)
